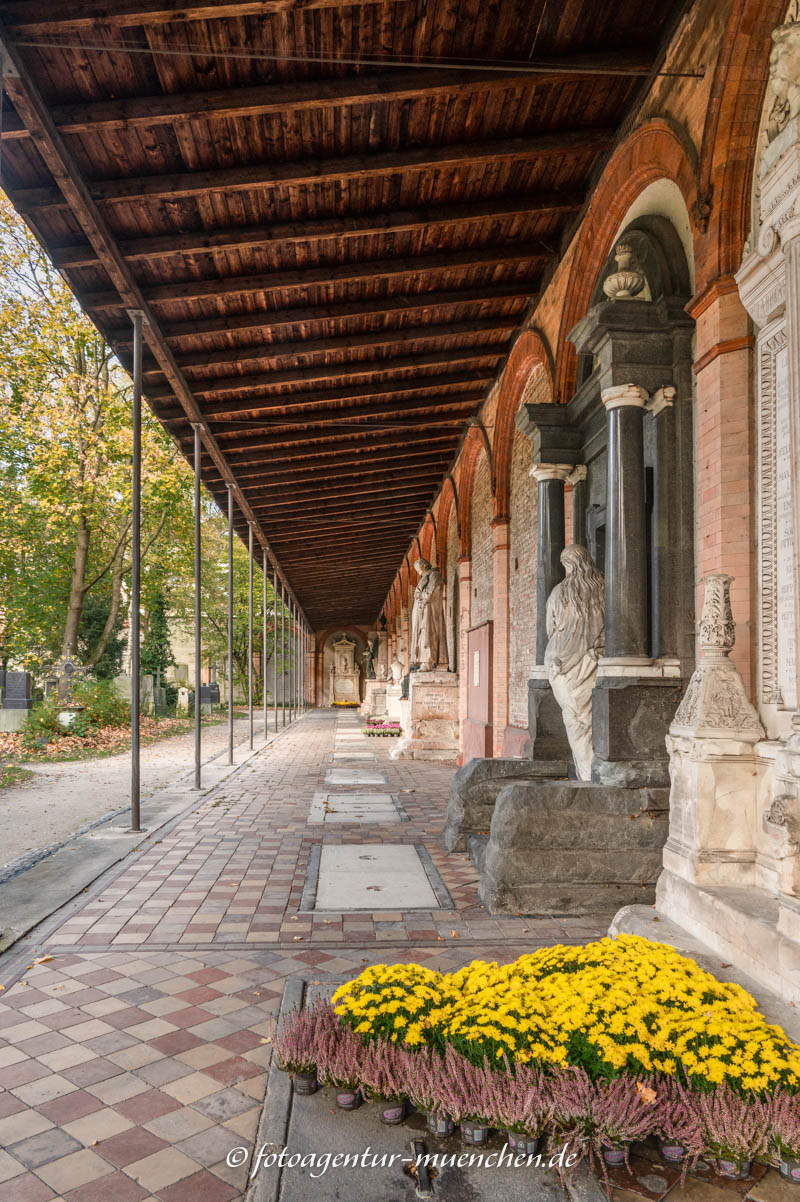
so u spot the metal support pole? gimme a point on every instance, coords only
(275, 644)
(230, 623)
(250, 631)
(197, 613)
(283, 656)
(292, 661)
(136, 562)
(264, 639)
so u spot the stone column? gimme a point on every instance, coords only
(626, 548)
(577, 478)
(501, 629)
(790, 241)
(550, 479)
(664, 633)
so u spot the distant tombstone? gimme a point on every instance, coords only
(122, 684)
(146, 692)
(181, 672)
(182, 706)
(17, 692)
(50, 687)
(68, 671)
(205, 698)
(213, 693)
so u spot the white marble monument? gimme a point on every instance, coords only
(345, 676)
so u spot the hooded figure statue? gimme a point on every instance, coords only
(576, 640)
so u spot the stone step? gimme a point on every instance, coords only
(474, 789)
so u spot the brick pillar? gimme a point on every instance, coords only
(726, 457)
(406, 641)
(464, 620)
(500, 643)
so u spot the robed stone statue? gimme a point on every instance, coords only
(428, 641)
(576, 640)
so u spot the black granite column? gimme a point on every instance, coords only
(549, 571)
(577, 479)
(662, 543)
(626, 547)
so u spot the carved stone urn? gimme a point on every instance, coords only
(627, 281)
(715, 704)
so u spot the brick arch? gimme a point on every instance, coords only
(474, 446)
(529, 350)
(426, 537)
(730, 136)
(448, 498)
(654, 151)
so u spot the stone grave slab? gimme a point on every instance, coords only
(354, 755)
(373, 876)
(354, 776)
(354, 807)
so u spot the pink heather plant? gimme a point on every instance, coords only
(572, 1098)
(342, 1058)
(464, 1089)
(733, 1127)
(679, 1119)
(423, 1076)
(784, 1117)
(385, 1071)
(519, 1100)
(301, 1035)
(624, 1110)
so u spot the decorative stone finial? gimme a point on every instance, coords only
(628, 280)
(715, 704)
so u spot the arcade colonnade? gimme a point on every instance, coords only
(662, 430)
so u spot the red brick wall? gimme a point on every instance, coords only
(522, 579)
(482, 607)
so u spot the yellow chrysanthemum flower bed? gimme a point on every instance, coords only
(621, 1005)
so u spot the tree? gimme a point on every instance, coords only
(65, 466)
(94, 619)
(156, 655)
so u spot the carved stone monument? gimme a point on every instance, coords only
(428, 639)
(345, 675)
(575, 630)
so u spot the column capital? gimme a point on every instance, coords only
(631, 396)
(577, 475)
(551, 471)
(662, 398)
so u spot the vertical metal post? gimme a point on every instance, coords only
(136, 562)
(198, 646)
(230, 623)
(250, 630)
(275, 644)
(292, 662)
(283, 655)
(264, 639)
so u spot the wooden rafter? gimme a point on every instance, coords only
(269, 176)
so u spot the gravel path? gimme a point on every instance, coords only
(60, 798)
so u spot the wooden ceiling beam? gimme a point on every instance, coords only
(282, 495)
(313, 172)
(306, 442)
(367, 271)
(34, 111)
(269, 352)
(468, 384)
(389, 467)
(322, 467)
(378, 523)
(404, 304)
(384, 421)
(333, 455)
(31, 17)
(313, 511)
(283, 234)
(320, 374)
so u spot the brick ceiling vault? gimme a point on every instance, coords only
(335, 218)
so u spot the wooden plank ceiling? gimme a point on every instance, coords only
(335, 217)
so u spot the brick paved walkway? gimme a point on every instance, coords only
(135, 1058)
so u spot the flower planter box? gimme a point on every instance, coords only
(790, 1169)
(305, 1083)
